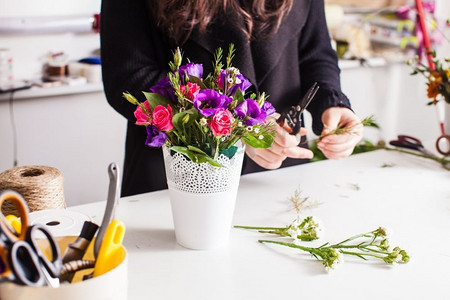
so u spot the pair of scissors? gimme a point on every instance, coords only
(22, 258)
(443, 145)
(409, 142)
(294, 114)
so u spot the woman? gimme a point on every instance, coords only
(282, 47)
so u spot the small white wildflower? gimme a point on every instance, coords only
(234, 70)
(256, 130)
(239, 124)
(230, 80)
(335, 258)
(249, 128)
(203, 121)
(261, 137)
(385, 232)
(237, 80)
(294, 232)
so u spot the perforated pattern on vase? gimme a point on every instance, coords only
(188, 176)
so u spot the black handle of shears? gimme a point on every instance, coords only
(53, 266)
(29, 264)
(294, 114)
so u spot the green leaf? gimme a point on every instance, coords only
(184, 119)
(254, 142)
(238, 97)
(195, 156)
(195, 149)
(370, 122)
(156, 99)
(195, 79)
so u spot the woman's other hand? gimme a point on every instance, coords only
(336, 146)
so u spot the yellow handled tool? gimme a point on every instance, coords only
(15, 223)
(111, 253)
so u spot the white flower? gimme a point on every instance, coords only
(261, 137)
(385, 232)
(234, 70)
(293, 232)
(256, 130)
(334, 259)
(240, 124)
(249, 128)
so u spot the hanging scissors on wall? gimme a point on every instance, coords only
(22, 260)
(294, 114)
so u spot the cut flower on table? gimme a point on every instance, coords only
(204, 116)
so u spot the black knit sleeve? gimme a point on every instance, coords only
(318, 63)
(132, 52)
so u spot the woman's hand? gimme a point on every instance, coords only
(338, 146)
(284, 145)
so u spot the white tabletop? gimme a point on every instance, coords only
(355, 195)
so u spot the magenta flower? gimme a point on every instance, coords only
(190, 90)
(143, 117)
(162, 118)
(221, 122)
(155, 138)
(207, 102)
(249, 111)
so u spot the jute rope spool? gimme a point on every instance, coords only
(41, 187)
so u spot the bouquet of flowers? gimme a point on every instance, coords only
(438, 79)
(202, 117)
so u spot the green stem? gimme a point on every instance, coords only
(259, 228)
(443, 161)
(313, 251)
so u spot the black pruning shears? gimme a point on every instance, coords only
(293, 116)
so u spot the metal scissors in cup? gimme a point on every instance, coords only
(293, 116)
(22, 259)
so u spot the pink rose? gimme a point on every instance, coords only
(162, 118)
(143, 117)
(190, 90)
(221, 122)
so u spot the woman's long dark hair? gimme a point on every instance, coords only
(178, 18)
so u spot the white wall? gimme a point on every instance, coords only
(78, 134)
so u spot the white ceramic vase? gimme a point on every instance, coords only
(202, 198)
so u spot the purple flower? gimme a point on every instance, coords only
(249, 111)
(239, 82)
(190, 69)
(207, 102)
(268, 108)
(155, 138)
(164, 88)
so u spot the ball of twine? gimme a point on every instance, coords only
(40, 186)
